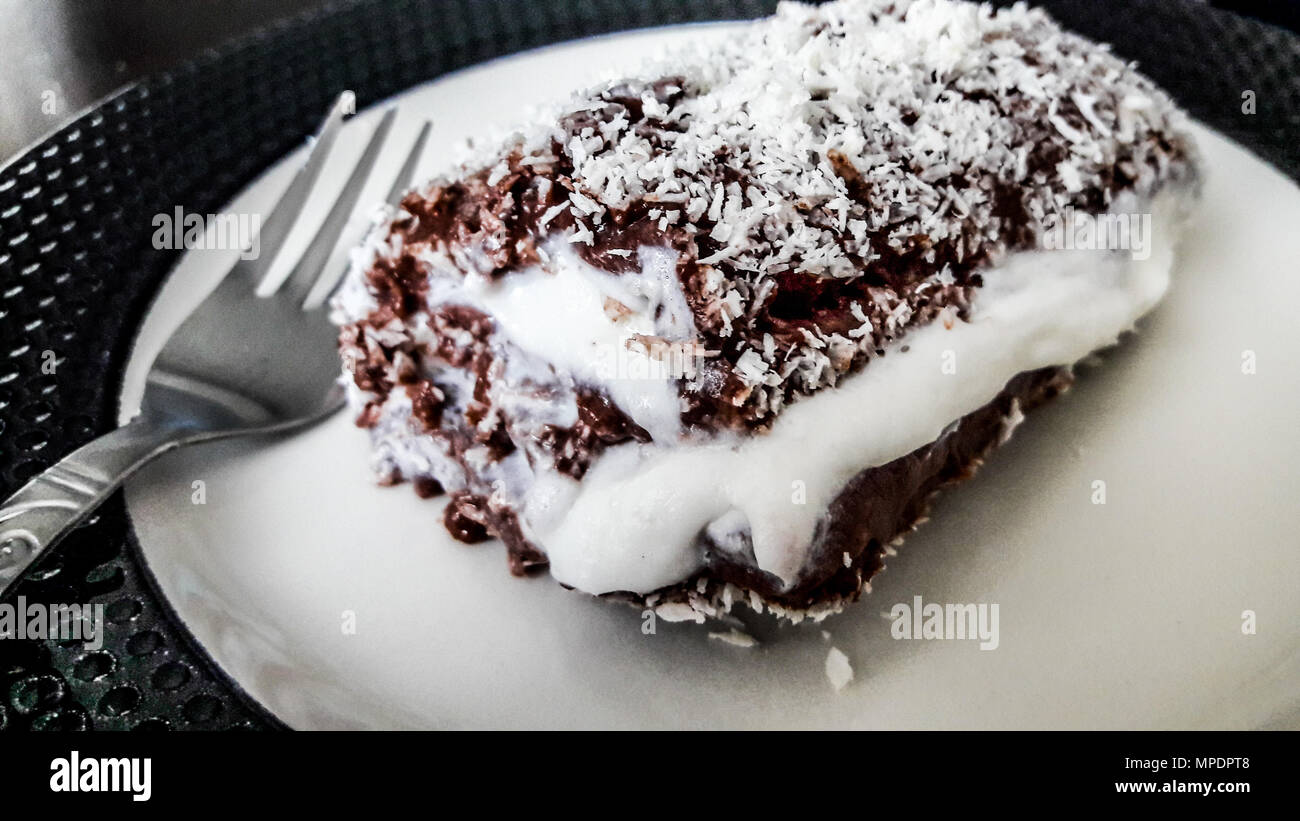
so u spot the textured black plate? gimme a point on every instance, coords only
(77, 271)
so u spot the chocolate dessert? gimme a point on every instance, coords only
(718, 332)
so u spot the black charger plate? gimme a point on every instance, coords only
(77, 270)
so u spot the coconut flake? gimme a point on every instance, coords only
(838, 669)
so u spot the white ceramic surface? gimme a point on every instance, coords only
(1122, 615)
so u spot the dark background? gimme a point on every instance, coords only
(83, 50)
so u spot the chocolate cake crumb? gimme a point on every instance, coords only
(600, 424)
(426, 487)
(466, 517)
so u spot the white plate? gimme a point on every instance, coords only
(1127, 614)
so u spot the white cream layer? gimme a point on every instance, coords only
(560, 312)
(633, 522)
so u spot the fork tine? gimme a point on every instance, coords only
(281, 217)
(401, 183)
(299, 283)
(406, 176)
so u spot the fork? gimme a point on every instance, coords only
(241, 363)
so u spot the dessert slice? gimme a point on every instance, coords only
(718, 333)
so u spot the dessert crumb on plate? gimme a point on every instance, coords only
(838, 669)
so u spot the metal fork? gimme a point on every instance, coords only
(239, 364)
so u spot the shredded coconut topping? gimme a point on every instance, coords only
(832, 177)
(904, 142)
(911, 95)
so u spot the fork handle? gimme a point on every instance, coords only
(57, 500)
